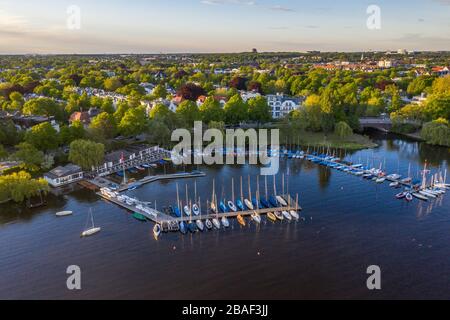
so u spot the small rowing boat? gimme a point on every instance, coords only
(400, 195)
(409, 197)
(139, 217)
(157, 230)
(64, 213)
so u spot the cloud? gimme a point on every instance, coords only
(222, 2)
(421, 20)
(281, 8)
(312, 27)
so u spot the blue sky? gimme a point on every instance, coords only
(153, 26)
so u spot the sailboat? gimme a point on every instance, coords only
(271, 216)
(92, 230)
(294, 213)
(248, 202)
(255, 215)
(199, 222)
(215, 221)
(279, 198)
(178, 212)
(239, 203)
(224, 209)
(231, 204)
(195, 208)
(186, 208)
(279, 215)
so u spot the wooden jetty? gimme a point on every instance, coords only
(162, 218)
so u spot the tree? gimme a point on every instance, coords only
(191, 91)
(19, 186)
(16, 100)
(133, 122)
(86, 153)
(43, 107)
(419, 84)
(238, 83)
(259, 110)
(103, 127)
(343, 130)
(436, 132)
(112, 84)
(43, 136)
(158, 133)
(211, 110)
(188, 112)
(3, 153)
(74, 132)
(31, 157)
(236, 110)
(160, 91)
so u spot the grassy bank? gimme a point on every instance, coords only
(320, 139)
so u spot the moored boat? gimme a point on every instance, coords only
(287, 215)
(64, 213)
(208, 224)
(294, 214)
(195, 209)
(282, 201)
(225, 222)
(279, 215)
(200, 225)
(420, 196)
(271, 216)
(241, 220)
(256, 217)
(249, 204)
(139, 217)
(157, 230)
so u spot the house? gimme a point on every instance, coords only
(281, 104)
(247, 95)
(61, 176)
(201, 100)
(148, 87)
(83, 117)
(440, 71)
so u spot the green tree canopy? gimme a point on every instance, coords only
(86, 153)
(343, 130)
(236, 110)
(188, 112)
(44, 107)
(43, 136)
(31, 157)
(103, 127)
(211, 110)
(259, 110)
(134, 122)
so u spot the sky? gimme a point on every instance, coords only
(182, 26)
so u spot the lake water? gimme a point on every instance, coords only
(349, 223)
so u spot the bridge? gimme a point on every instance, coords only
(383, 124)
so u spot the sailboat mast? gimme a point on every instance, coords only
(265, 182)
(232, 189)
(242, 192)
(249, 190)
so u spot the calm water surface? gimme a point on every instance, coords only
(349, 224)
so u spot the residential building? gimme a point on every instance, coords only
(61, 176)
(281, 104)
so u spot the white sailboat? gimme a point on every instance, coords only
(92, 230)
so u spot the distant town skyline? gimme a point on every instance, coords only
(215, 26)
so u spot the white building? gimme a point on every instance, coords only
(247, 95)
(281, 105)
(61, 176)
